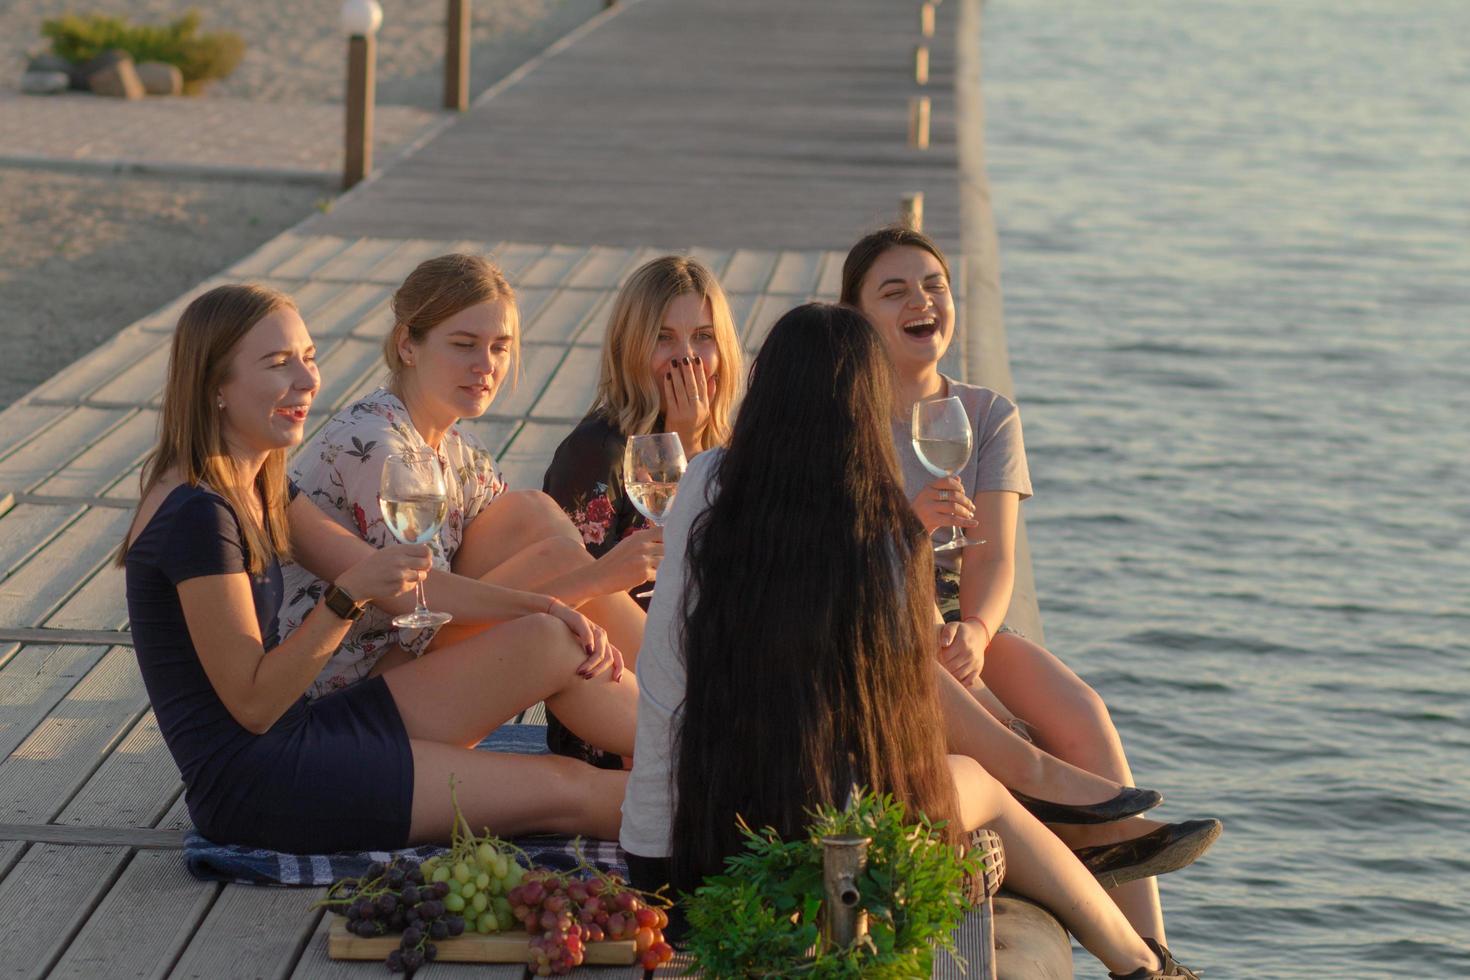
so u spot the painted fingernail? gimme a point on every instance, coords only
(696, 358)
(686, 360)
(669, 376)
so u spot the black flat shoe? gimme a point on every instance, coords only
(561, 740)
(1171, 847)
(1169, 967)
(1129, 802)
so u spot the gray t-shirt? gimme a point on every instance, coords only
(648, 805)
(998, 461)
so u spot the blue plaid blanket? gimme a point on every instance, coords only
(209, 861)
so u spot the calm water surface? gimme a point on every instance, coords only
(1236, 250)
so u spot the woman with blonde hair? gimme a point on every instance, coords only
(367, 767)
(671, 362)
(455, 342)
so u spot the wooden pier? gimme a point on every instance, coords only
(762, 137)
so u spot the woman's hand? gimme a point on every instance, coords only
(387, 572)
(601, 654)
(633, 560)
(686, 393)
(962, 651)
(943, 504)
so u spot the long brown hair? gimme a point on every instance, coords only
(436, 290)
(806, 628)
(860, 257)
(627, 392)
(191, 435)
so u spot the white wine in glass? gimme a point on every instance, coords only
(943, 441)
(415, 503)
(652, 466)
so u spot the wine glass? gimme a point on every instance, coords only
(414, 507)
(942, 440)
(652, 466)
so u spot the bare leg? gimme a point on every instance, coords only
(1072, 722)
(461, 692)
(553, 560)
(512, 794)
(1040, 866)
(975, 732)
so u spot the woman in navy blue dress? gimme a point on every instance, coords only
(370, 766)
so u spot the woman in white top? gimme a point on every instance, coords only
(789, 651)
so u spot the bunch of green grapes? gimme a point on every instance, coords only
(478, 873)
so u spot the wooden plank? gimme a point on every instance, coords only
(25, 529)
(34, 461)
(45, 900)
(23, 421)
(492, 433)
(72, 836)
(530, 299)
(314, 253)
(405, 258)
(33, 681)
(796, 273)
(554, 266)
(43, 635)
(357, 260)
(509, 947)
(538, 363)
(749, 271)
(829, 286)
(250, 932)
(573, 387)
(143, 924)
(534, 715)
(43, 773)
(515, 258)
(974, 942)
(78, 380)
(346, 367)
(361, 308)
(524, 462)
(566, 315)
(177, 817)
(139, 383)
(39, 586)
(99, 466)
(134, 787)
(100, 605)
(317, 964)
(260, 262)
(604, 267)
(761, 317)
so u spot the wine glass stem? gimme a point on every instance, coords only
(423, 605)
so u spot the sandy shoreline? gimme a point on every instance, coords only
(295, 51)
(83, 256)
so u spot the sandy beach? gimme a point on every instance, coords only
(84, 255)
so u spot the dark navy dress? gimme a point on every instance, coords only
(335, 774)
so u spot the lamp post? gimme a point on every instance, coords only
(457, 55)
(360, 22)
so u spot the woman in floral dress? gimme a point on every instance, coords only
(670, 363)
(454, 342)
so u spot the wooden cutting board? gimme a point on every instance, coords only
(472, 947)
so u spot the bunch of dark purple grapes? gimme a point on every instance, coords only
(395, 898)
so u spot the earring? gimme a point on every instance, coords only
(222, 402)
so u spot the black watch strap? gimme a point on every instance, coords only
(340, 602)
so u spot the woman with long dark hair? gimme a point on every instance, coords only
(899, 279)
(789, 651)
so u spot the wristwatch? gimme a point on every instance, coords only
(341, 602)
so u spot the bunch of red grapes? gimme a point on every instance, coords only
(563, 914)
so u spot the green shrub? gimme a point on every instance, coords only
(200, 57)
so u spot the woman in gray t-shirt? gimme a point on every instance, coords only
(899, 279)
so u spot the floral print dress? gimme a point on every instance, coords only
(341, 471)
(586, 479)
